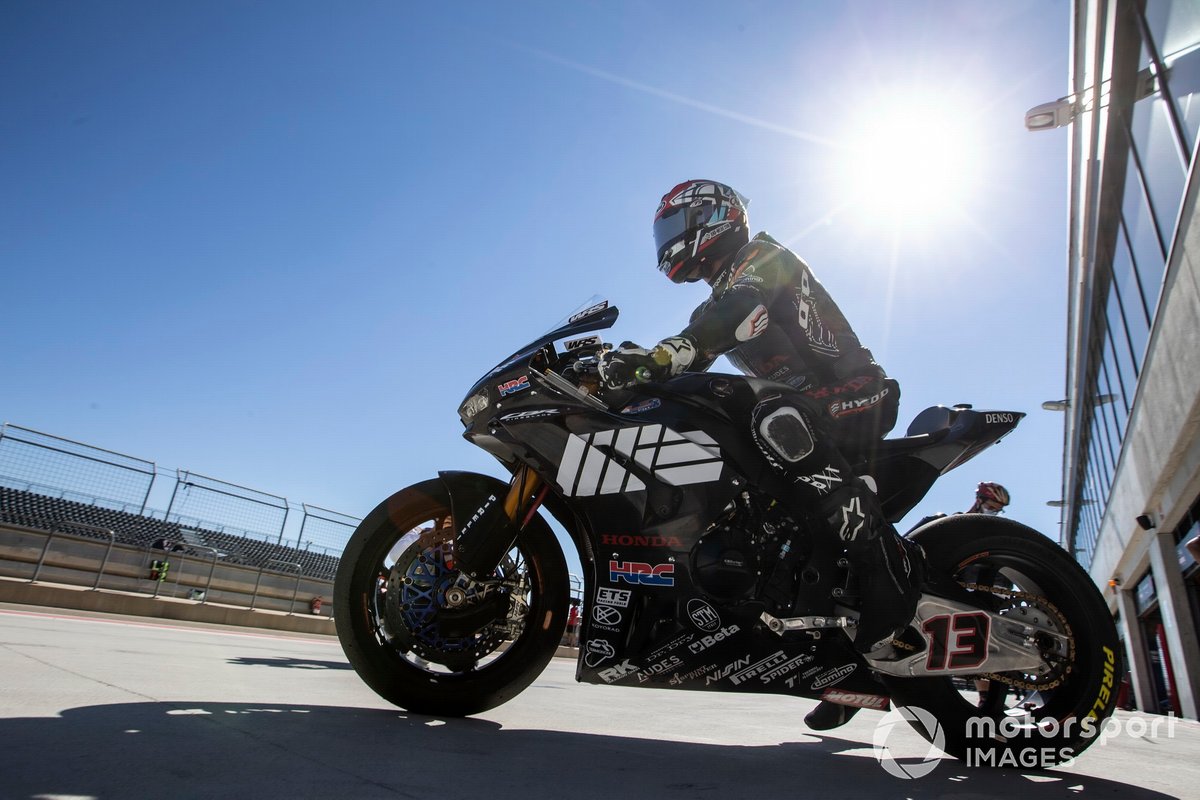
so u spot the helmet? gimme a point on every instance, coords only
(991, 497)
(696, 225)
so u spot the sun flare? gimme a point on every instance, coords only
(910, 162)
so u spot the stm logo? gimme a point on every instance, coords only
(645, 574)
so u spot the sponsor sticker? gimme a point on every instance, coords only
(727, 670)
(639, 573)
(587, 312)
(613, 597)
(537, 413)
(621, 540)
(703, 616)
(616, 673)
(642, 406)
(598, 651)
(586, 341)
(606, 615)
(512, 387)
(705, 642)
(832, 676)
(857, 699)
(664, 666)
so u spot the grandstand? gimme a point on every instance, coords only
(30, 510)
(54, 484)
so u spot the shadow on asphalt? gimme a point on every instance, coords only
(236, 750)
(290, 663)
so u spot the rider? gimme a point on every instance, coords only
(990, 499)
(773, 319)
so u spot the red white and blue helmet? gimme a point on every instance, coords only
(990, 497)
(697, 224)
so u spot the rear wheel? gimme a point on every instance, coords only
(1027, 719)
(427, 638)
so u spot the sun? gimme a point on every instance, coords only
(907, 162)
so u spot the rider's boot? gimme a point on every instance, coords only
(889, 569)
(827, 716)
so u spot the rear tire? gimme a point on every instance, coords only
(1056, 715)
(395, 600)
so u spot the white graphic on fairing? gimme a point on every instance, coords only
(672, 457)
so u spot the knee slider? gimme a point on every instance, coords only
(787, 434)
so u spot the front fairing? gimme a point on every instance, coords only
(510, 377)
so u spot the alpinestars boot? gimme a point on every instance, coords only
(827, 716)
(889, 575)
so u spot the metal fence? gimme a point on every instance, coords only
(43, 464)
(324, 530)
(38, 462)
(245, 510)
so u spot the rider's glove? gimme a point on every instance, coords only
(630, 365)
(627, 366)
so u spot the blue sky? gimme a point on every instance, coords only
(274, 243)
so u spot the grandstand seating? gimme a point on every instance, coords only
(32, 510)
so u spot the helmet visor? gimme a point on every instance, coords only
(676, 221)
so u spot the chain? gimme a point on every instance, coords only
(1065, 627)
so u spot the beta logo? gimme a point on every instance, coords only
(514, 386)
(635, 572)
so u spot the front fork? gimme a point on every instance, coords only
(521, 501)
(486, 525)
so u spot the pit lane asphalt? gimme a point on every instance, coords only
(98, 706)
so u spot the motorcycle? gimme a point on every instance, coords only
(701, 573)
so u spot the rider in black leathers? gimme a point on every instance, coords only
(773, 319)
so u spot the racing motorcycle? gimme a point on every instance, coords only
(702, 573)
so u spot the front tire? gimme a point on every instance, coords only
(1048, 717)
(425, 637)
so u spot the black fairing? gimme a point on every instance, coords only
(686, 534)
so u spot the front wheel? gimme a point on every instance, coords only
(427, 638)
(1035, 719)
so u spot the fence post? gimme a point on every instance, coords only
(263, 566)
(42, 558)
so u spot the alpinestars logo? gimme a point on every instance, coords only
(853, 520)
(672, 457)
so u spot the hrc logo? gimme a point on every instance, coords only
(636, 572)
(511, 387)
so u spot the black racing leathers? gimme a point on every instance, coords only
(773, 319)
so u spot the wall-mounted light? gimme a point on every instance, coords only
(1049, 116)
(1145, 521)
(1087, 501)
(1063, 405)
(1114, 583)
